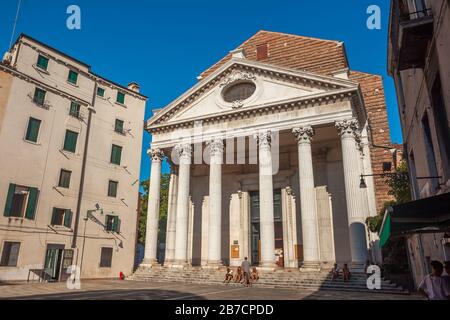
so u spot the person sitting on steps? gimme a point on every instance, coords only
(228, 275)
(239, 275)
(346, 273)
(255, 274)
(335, 272)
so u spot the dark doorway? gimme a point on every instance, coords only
(53, 261)
(255, 236)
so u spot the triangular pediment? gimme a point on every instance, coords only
(270, 85)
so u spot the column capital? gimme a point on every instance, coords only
(264, 139)
(304, 134)
(183, 150)
(347, 128)
(156, 154)
(215, 146)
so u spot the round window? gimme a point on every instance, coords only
(239, 91)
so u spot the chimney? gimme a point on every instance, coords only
(238, 53)
(133, 86)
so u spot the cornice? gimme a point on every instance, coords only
(264, 109)
(256, 68)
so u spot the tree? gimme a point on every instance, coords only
(398, 188)
(165, 180)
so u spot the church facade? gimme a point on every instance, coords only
(273, 155)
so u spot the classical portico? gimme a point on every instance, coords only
(265, 164)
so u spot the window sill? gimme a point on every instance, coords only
(42, 70)
(73, 84)
(122, 133)
(121, 104)
(60, 227)
(33, 143)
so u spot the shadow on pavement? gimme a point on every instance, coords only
(145, 294)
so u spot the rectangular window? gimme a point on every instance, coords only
(62, 217)
(100, 92)
(70, 141)
(33, 130)
(10, 254)
(112, 189)
(64, 179)
(118, 127)
(74, 109)
(120, 97)
(441, 123)
(112, 223)
(116, 154)
(106, 257)
(42, 62)
(21, 202)
(73, 77)
(39, 96)
(262, 51)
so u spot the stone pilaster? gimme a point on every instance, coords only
(171, 216)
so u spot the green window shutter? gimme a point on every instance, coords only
(73, 77)
(74, 109)
(116, 225)
(9, 199)
(112, 189)
(119, 126)
(53, 217)
(33, 129)
(42, 62)
(70, 141)
(39, 96)
(100, 92)
(116, 154)
(32, 202)
(68, 218)
(120, 97)
(119, 223)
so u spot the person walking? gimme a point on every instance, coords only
(246, 269)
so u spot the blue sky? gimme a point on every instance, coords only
(165, 45)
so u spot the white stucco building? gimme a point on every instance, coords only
(267, 153)
(71, 144)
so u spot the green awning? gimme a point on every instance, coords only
(429, 215)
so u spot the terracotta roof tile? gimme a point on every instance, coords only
(295, 52)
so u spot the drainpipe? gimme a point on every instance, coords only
(91, 110)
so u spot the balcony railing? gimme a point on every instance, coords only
(411, 33)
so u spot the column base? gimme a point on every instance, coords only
(213, 265)
(357, 267)
(311, 266)
(150, 263)
(168, 263)
(267, 266)
(179, 264)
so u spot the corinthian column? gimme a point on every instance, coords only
(215, 203)
(267, 228)
(310, 234)
(356, 210)
(151, 233)
(181, 237)
(171, 216)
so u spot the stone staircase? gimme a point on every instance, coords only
(293, 279)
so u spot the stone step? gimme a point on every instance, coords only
(282, 279)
